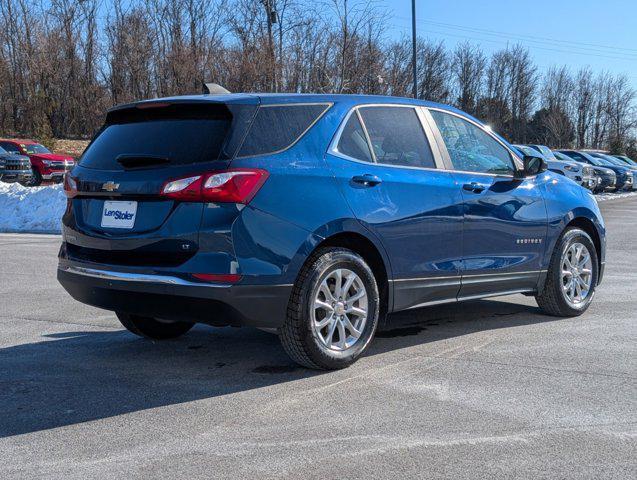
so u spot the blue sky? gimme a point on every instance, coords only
(602, 34)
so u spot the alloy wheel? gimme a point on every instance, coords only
(577, 273)
(339, 310)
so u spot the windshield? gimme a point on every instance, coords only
(2, 151)
(562, 157)
(547, 152)
(614, 161)
(603, 162)
(175, 134)
(524, 150)
(35, 148)
(627, 160)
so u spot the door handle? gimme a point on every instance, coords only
(474, 187)
(366, 180)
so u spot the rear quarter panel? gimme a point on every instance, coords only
(298, 206)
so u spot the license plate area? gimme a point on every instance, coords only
(117, 214)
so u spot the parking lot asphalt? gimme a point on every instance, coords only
(487, 389)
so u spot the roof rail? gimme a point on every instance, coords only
(213, 89)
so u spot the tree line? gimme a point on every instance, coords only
(64, 62)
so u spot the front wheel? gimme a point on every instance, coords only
(333, 311)
(572, 276)
(153, 328)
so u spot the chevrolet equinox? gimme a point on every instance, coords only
(315, 216)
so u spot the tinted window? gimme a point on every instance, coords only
(470, 148)
(397, 136)
(10, 147)
(176, 134)
(353, 142)
(2, 150)
(276, 128)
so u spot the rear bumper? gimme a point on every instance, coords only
(174, 298)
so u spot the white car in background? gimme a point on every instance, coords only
(579, 173)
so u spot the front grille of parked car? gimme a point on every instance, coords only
(165, 253)
(16, 166)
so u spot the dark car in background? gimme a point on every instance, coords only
(314, 216)
(605, 178)
(14, 167)
(610, 161)
(618, 162)
(623, 175)
(46, 166)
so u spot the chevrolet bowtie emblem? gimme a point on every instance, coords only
(110, 186)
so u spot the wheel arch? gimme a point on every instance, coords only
(587, 225)
(373, 254)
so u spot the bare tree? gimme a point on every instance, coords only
(61, 65)
(468, 68)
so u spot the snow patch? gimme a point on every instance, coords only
(602, 197)
(31, 209)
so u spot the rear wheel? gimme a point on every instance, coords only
(572, 276)
(153, 328)
(333, 311)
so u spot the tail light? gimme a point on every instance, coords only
(70, 186)
(231, 186)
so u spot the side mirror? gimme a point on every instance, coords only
(532, 166)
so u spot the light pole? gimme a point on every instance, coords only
(413, 47)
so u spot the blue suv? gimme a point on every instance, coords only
(315, 216)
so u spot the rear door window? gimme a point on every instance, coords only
(278, 127)
(397, 136)
(175, 134)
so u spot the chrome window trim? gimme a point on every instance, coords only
(517, 162)
(328, 105)
(333, 146)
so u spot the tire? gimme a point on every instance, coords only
(34, 181)
(553, 299)
(152, 328)
(301, 336)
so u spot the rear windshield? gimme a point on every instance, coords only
(175, 134)
(277, 127)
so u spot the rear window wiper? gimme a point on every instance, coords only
(129, 161)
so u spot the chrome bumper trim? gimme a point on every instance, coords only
(137, 277)
(148, 278)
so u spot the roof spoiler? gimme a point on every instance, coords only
(213, 89)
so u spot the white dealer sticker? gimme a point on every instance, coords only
(119, 214)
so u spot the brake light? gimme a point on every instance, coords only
(70, 186)
(231, 186)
